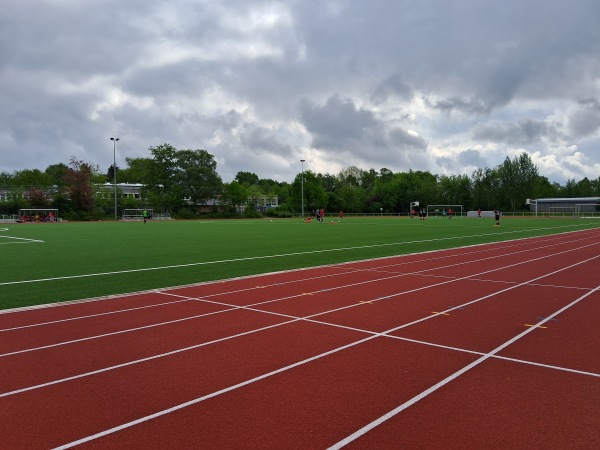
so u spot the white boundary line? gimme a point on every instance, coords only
(307, 318)
(231, 307)
(112, 296)
(365, 429)
(253, 258)
(452, 377)
(340, 265)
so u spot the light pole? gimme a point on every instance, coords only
(302, 161)
(115, 171)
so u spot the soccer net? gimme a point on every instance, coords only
(562, 211)
(137, 214)
(442, 210)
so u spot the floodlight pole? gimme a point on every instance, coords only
(115, 171)
(302, 161)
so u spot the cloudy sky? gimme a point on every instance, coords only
(445, 86)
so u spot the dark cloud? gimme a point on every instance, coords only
(392, 88)
(585, 121)
(335, 123)
(523, 132)
(374, 84)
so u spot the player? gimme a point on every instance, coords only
(145, 216)
(497, 217)
(449, 213)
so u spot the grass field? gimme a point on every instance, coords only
(46, 263)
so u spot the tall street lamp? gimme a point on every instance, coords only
(302, 161)
(115, 171)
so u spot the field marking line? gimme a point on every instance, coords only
(360, 432)
(252, 307)
(292, 320)
(16, 238)
(504, 358)
(254, 258)
(27, 241)
(89, 316)
(542, 239)
(341, 266)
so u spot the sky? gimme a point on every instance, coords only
(445, 86)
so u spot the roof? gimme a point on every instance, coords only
(570, 200)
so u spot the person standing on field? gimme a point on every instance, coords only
(497, 217)
(145, 216)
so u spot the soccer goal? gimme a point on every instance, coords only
(136, 214)
(443, 210)
(562, 211)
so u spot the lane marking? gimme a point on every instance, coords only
(378, 421)
(231, 307)
(311, 252)
(448, 379)
(554, 320)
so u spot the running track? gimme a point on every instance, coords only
(478, 347)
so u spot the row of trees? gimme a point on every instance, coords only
(177, 181)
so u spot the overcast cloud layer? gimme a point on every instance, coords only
(445, 86)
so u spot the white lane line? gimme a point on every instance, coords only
(343, 265)
(254, 258)
(305, 361)
(293, 319)
(450, 378)
(231, 307)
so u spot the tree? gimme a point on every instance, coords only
(31, 178)
(314, 194)
(174, 175)
(56, 174)
(38, 198)
(246, 178)
(485, 185)
(137, 171)
(234, 194)
(197, 175)
(455, 190)
(351, 199)
(78, 181)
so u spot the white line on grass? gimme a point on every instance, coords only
(253, 258)
(307, 318)
(231, 307)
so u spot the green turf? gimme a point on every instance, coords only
(83, 260)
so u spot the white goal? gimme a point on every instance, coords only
(443, 210)
(136, 214)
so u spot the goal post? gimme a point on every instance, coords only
(562, 211)
(442, 210)
(137, 213)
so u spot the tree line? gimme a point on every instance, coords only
(177, 181)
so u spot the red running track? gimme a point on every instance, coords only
(478, 347)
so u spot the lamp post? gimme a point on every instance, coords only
(115, 171)
(302, 161)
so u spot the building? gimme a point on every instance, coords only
(564, 205)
